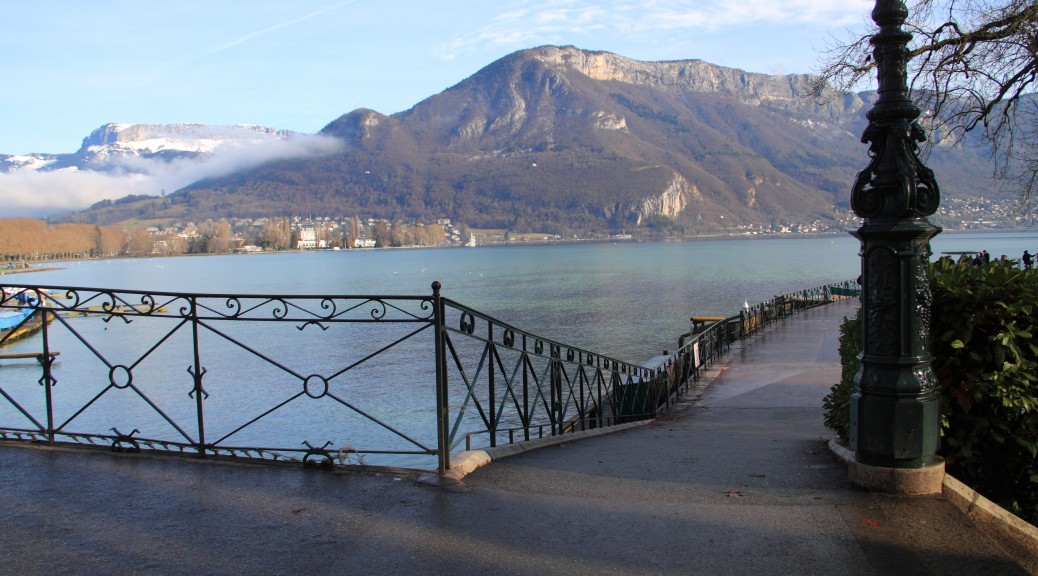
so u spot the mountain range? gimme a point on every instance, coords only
(104, 147)
(550, 139)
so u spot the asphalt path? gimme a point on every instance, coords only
(738, 480)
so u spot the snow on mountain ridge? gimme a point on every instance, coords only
(118, 142)
(157, 145)
(116, 133)
(25, 161)
(118, 160)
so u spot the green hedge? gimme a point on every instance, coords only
(837, 403)
(982, 320)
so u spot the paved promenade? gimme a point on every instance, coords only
(739, 481)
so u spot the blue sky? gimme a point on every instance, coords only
(70, 66)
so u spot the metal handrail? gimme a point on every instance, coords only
(490, 382)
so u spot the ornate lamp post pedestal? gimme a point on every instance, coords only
(895, 413)
(895, 410)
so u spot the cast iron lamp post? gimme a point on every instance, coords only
(895, 410)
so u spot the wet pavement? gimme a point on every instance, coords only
(737, 481)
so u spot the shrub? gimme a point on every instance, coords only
(982, 320)
(837, 403)
(984, 359)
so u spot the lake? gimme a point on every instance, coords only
(628, 300)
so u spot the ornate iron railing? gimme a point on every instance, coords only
(322, 380)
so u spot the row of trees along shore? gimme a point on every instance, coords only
(25, 239)
(30, 239)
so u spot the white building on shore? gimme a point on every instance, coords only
(308, 239)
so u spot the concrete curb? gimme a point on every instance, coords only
(984, 512)
(991, 516)
(842, 452)
(464, 463)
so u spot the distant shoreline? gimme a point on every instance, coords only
(6, 271)
(706, 237)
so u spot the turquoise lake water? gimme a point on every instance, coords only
(626, 300)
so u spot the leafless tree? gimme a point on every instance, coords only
(973, 68)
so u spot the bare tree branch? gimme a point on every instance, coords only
(973, 64)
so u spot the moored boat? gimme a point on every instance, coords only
(18, 317)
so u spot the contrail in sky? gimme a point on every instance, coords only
(246, 38)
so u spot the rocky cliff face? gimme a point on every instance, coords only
(670, 203)
(787, 91)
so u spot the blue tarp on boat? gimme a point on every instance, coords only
(10, 318)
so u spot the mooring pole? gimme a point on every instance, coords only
(895, 409)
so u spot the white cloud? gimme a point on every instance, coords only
(556, 21)
(34, 193)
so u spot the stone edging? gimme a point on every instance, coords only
(991, 515)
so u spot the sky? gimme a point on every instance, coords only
(70, 66)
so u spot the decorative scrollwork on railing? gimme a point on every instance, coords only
(318, 457)
(198, 382)
(71, 294)
(317, 323)
(202, 306)
(112, 308)
(378, 312)
(148, 303)
(315, 386)
(280, 309)
(467, 323)
(111, 304)
(110, 317)
(120, 376)
(125, 442)
(328, 305)
(508, 338)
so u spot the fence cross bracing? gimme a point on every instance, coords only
(321, 380)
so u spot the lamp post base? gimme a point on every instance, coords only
(905, 481)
